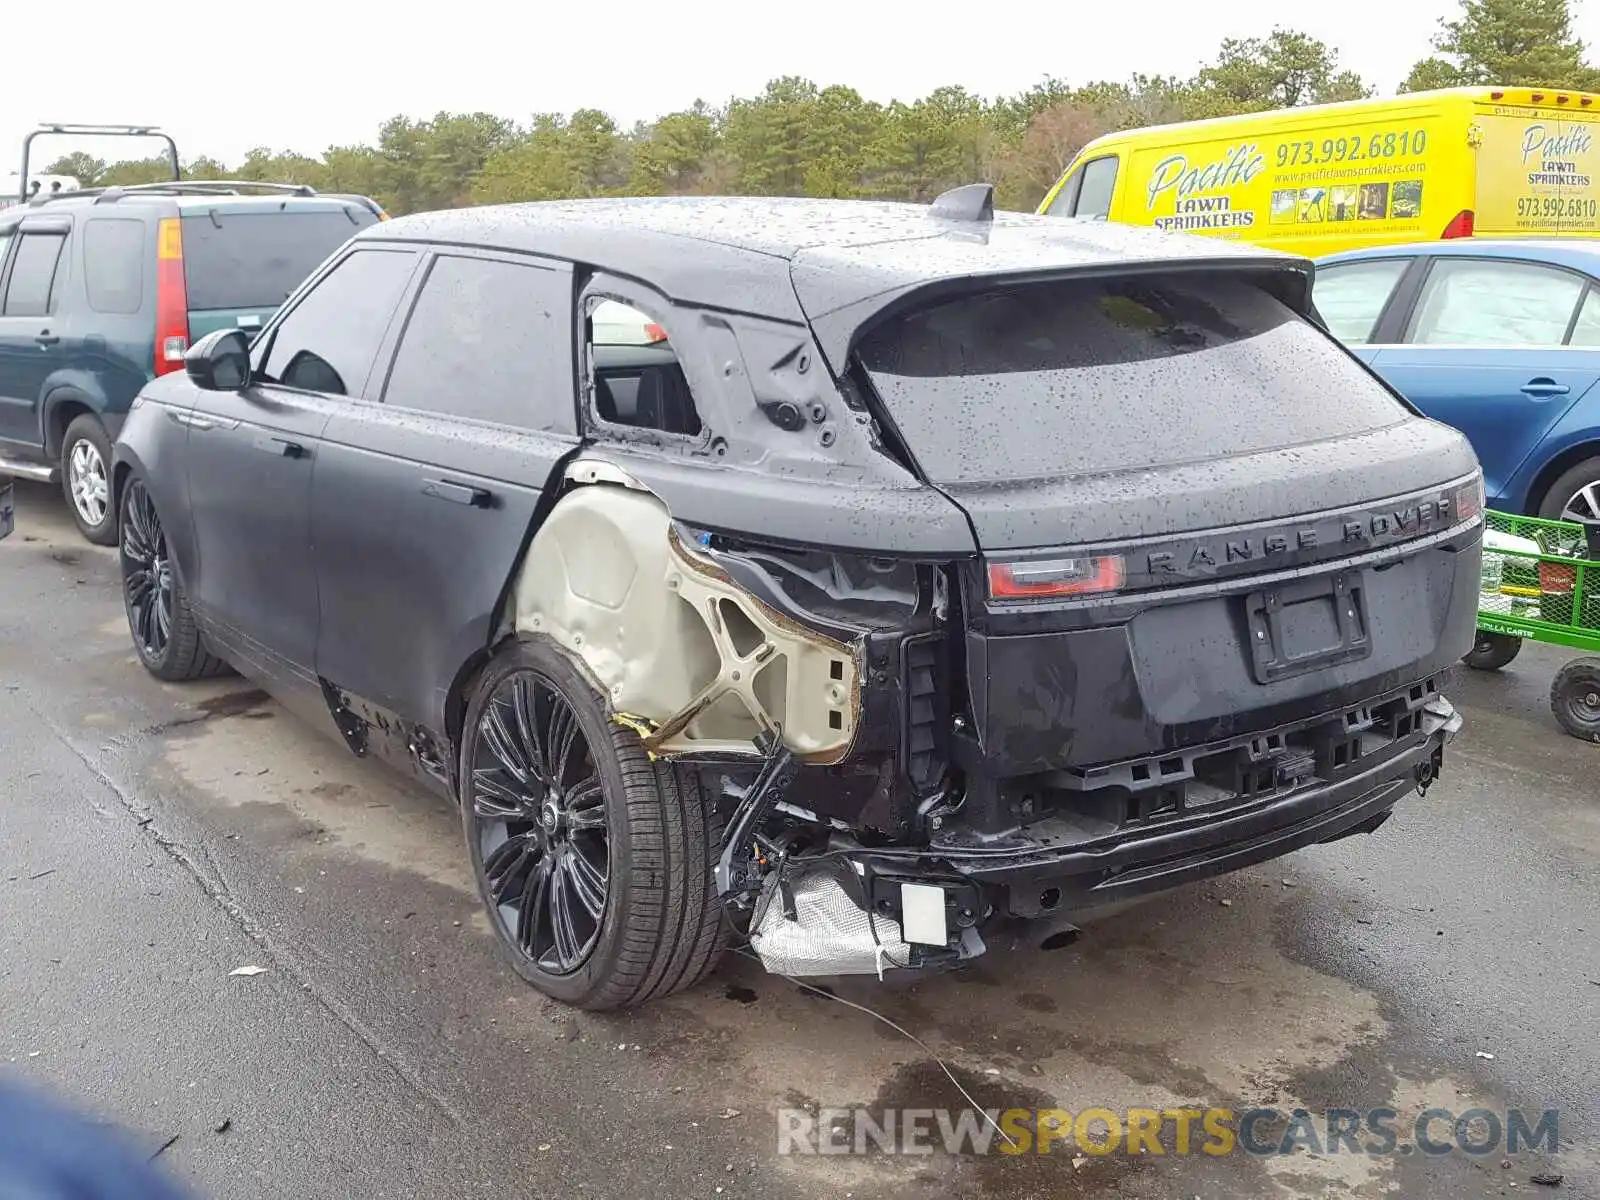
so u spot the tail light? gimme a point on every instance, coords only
(172, 298)
(654, 333)
(1460, 225)
(1467, 501)
(1056, 578)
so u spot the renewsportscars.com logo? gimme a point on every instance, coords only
(1374, 1132)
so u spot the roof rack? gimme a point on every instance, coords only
(225, 186)
(186, 187)
(57, 127)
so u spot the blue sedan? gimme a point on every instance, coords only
(1500, 339)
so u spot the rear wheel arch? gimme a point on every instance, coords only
(61, 408)
(1551, 472)
(458, 694)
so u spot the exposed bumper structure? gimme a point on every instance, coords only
(1066, 866)
(1070, 870)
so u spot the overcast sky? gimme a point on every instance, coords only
(306, 74)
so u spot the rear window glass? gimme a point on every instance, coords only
(255, 259)
(1093, 376)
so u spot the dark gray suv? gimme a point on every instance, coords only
(922, 571)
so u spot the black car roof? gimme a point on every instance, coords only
(840, 258)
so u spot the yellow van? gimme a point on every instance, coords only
(1495, 161)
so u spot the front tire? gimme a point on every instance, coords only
(159, 618)
(594, 862)
(1492, 651)
(1575, 698)
(86, 479)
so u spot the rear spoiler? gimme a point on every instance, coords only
(1286, 277)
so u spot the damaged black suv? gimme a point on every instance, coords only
(887, 575)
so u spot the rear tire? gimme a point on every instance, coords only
(86, 479)
(1575, 698)
(601, 820)
(1575, 494)
(160, 621)
(1493, 651)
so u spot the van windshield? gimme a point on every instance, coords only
(1093, 376)
(255, 259)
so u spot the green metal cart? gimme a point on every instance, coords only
(1541, 582)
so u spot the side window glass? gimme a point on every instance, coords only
(33, 274)
(1094, 195)
(1483, 302)
(474, 337)
(637, 380)
(1586, 332)
(327, 343)
(1067, 197)
(1351, 297)
(113, 264)
(6, 239)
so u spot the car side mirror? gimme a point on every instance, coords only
(220, 361)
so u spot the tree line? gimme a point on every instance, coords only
(800, 139)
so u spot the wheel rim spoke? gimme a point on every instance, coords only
(1584, 504)
(535, 903)
(146, 572)
(567, 945)
(524, 705)
(586, 805)
(539, 824)
(563, 734)
(588, 883)
(494, 798)
(507, 868)
(503, 743)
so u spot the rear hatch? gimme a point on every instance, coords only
(1198, 515)
(1538, 167)
(241, 259)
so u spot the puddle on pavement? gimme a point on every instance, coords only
(246, 750)
(1180, 1002)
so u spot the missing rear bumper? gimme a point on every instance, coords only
(1057, 873)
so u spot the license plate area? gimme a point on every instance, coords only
(1307, 625)
(8, 508)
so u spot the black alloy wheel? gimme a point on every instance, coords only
(540, 815)
(163, 628)
(593, 859)
(146, 575)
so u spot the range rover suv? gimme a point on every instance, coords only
(934, 571)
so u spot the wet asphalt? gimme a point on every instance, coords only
(155, 838)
